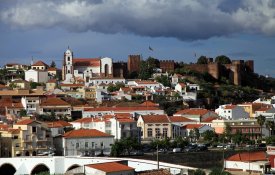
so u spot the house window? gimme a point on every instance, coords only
(122, 126)
(77, 145)
(34, 129)
(164, 131)
(157, 131)
(93, 144)
(69, 71)
(69, 58)
(149, 132)
(86, 144)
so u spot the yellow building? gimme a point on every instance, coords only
(154, 126)
(90, 93)
(26, 138)
(250, 108)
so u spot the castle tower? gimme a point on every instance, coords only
(67, 71)
(133, 64)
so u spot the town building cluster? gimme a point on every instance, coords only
(80, 94)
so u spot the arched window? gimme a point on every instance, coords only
(106, 70)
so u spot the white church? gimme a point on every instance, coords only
(85, 68)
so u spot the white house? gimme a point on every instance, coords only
(148, 84)
(176, 78)
(268, 112)
(31, 104)
(231, 112)
(108, 168)
(106, 80)
(38, 76)
(181, 88)
(87, 142)
(256, 162)
(136, 110)
(120, 125)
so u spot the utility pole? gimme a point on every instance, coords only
(158, 155)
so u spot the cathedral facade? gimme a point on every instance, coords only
(85, 68)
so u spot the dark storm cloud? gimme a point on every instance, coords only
(182, 19)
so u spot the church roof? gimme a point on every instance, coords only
(90, 62)
(40, 63)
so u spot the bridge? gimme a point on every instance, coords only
(60, 165)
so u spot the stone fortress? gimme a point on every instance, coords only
(105, 67)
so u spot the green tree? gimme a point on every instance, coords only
(222, 59)
(115, 87)
(270, 126)
(270, 140)
(196, 133)
(209, 135)
(179, 142)
(163, 79)
(261, 121)
(34, 85)
(117, 149)
(199, 172)
(53, 64)
(23, 113)
(202, 60)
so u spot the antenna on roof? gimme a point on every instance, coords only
(68, 47)
(32, 61)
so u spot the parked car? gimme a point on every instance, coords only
(176, 150)
(191, 148)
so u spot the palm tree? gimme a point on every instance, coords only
(270, 125)
(261, 121)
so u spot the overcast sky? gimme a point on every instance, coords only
(175, 29)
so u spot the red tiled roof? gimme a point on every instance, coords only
(182, 84)
(89, 120)
(24, 122)
(246, 156)
(146, 82)
(155, 119)
(52, 69)
(40, 63)
(72, 85)
(126, 89)
(149, 103)
(193, 126)
(263, 109)
(193, 111)
(7, 102)
(4, 127)
(14, 131)
(54, 102)
(91, 62)
(58, 124)
(230, 106)
(209, 119)
(110, 167)
(135, 108)
(180, 119)
(85, 133)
